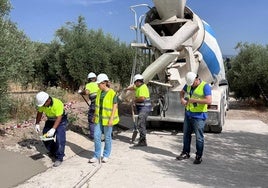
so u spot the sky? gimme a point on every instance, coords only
(233, 21)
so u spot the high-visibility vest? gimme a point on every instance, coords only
(107, 107)
(145, 91)
(198, 93)
(53, 111)
(93, 88)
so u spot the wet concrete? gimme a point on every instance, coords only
(17, 168)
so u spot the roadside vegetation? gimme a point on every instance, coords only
(61, 66)
(248, 73)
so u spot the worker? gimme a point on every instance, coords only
(91, 90)
(143, 106)
(55, 124)
(105, 117)
(195, 96)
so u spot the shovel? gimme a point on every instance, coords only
(85, 99)
(135, 131)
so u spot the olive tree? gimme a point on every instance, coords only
(248, 76)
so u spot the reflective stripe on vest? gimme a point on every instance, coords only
(198, 93)
(107, 108)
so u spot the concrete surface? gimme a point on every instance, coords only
(16, 168)
(238, 157)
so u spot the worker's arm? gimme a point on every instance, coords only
(115, 106)
(131, 87)
(57, 122)
(84, 92)
(37, 121)
(38, 117)
(182, 99)
(206, 100)
(140, 99)
(52, 131)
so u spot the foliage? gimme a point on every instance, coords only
(22, 108)
(15, 59)
(75, 52)
(248, 76)
(86, 50)
(46, 64)
(57, 93)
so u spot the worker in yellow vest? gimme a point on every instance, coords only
(195, 96)
(91, 90)
(55, 124)
(143, 106)
(105, 117)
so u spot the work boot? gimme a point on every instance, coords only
(198, 160)
(57, 163)
(141, 143)
(183, 156)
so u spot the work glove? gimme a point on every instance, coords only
(51, 132)
(37, 128)
(79, 91)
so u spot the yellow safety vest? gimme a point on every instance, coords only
(53, 111)
(93, 88)
(143, 91)
(107, 108)
(198, 93)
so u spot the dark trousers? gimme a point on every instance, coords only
(141, 122)
(91, 124)
(56, 148)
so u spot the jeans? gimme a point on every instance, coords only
(91, 124)
(107, 143)
(196, 126)
(57, 148)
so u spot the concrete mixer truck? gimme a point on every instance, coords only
(172, 40)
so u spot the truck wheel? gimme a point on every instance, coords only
(206, 129)
(215, 129)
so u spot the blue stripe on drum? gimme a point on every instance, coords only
(208, 29)
(210, 59)
(209, 55)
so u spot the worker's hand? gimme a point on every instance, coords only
(79, 91)
(184, 102)
(110, 122)
(37, 128)
(51, 132)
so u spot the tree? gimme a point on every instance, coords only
(248, 76)
(86, 50)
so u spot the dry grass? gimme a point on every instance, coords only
(23, 105)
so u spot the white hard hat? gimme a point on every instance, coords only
(91, 75)
(138, 77)
(102, 77)
(41, 98)
(190, 77)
